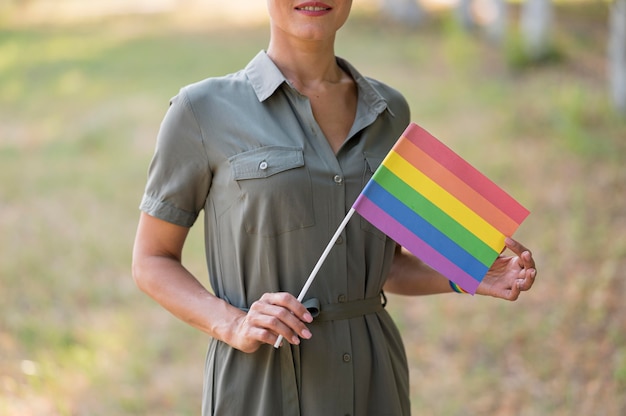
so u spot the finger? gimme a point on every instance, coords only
(515, 246)
(527, 279)
(524, 254)
(514, 292)
(264, 335)
(279, 321)
(267, 328)
(288, 301)
(294, 324)
(527, 259)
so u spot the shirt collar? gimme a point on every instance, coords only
(368, 95)
(266, 78)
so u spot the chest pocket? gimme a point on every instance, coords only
(372, 162)
(275, 188)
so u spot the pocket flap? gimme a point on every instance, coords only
(373, 161)
(265, 161)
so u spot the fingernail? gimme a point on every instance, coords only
(295, 340)
(306, 334)
(308, 317)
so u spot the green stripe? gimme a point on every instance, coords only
(434, 215)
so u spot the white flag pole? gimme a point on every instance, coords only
(321, 260)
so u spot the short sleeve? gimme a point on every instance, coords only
(179, 176)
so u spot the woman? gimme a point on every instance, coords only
(275, 155)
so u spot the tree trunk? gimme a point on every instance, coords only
(464, 14)
(491, 16)
(617, 54)
(408, 12)
(497, 22)
(536, 25)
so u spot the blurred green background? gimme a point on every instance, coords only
(82, 92)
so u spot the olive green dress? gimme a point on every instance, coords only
(246, 149)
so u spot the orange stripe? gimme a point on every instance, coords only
(466, 172)
(456, 187)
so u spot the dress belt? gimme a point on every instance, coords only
(345, 310)
(290, 354)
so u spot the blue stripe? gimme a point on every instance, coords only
(424, 230)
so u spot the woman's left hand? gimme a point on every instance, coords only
(509, 275)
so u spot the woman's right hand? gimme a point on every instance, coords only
(273, 315)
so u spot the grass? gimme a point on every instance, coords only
(80, 106)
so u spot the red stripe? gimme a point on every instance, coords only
(456, 187)
(466, 172)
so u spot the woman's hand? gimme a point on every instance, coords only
(509, 275)
(273, 315)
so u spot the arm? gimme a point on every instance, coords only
(410, 276)
(506, 279)
(158, 271)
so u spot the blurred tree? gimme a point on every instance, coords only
(409, 12)
(465, 15)
(496, 27)
(617, 54)
(490, 15)
(535, 27)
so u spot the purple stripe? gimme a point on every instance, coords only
(390, 226)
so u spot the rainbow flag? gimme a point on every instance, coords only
(440, 208)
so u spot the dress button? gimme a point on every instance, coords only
(342, 298)
(263, 165)
(346, 358)
(338, 179)
(339, 240)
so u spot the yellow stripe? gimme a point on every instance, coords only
(445, 201)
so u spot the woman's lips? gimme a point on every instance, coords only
(313, 8)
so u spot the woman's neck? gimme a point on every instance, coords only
(308, 65)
